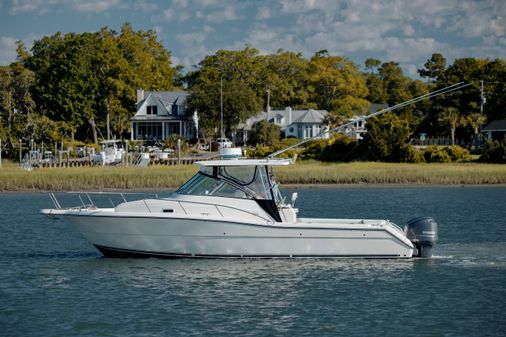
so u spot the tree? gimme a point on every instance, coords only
(235, 75)
(336, 85)
(371, 64)
(475, 122)
(433, 68)
(387, 139)
(376, 87)
(395, 83)
(452, 118)
(467, 100)
(90, 79)
(284, 75)
(264, 133)
(16, 103)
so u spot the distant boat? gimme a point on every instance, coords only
(111, 154)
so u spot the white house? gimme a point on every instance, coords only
(301, 124)
(358, 129)
(304, 124)
(161, 114)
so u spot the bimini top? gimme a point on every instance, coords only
(245, 162)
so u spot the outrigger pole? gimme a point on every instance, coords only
(432, 94)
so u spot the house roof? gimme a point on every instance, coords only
(310, 117)
(297, 116)
(497, 125)
(167, 98)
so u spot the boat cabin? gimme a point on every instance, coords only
(239, 178)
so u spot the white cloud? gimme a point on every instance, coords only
(145, 6)
(302, 6)
(192, 38)
(46, 6)
(402, 31)
(96, 6)
(221, 15)
(411, 70)
(408, 30)
(166, 16)
(180, 3)
(263, 13)
(7, 50)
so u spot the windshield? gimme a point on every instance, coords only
(249, 182)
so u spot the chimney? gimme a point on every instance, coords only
(140, 95)
(289, 111)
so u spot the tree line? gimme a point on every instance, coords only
(83, 87)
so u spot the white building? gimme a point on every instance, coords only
(161, 114)
(301, 124)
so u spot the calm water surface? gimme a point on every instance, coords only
(53, 283)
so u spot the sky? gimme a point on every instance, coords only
(406, 31)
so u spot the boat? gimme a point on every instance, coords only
(112, 153)
(233, 208)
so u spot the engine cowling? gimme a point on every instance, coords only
(423, 233)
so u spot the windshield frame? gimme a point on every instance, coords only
(259, 187)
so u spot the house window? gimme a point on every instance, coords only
(308, 132)
(152, 110)
(149, 131)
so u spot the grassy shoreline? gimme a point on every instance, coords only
(301, 174)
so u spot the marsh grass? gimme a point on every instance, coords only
(392, 173)
(95, 178)
(309, 172)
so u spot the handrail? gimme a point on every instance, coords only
(88, 195)
(180, 202)
(54, 200)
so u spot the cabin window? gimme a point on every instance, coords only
(152, 110)
(229, 181)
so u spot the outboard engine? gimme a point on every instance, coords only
(422, 232)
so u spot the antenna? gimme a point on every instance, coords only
(268, 110)
(435, 93)
(221, 106)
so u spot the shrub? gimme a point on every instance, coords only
(410, 154)
(435, 154)
(447, 154)
(259, 152)
(458, 153)
(494, 152)
(314, 149)
(340, 148)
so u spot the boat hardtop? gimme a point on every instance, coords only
(246, 162)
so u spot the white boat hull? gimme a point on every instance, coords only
(115, 233)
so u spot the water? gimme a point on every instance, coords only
(53, 283)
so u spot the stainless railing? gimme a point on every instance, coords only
(89, 200)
